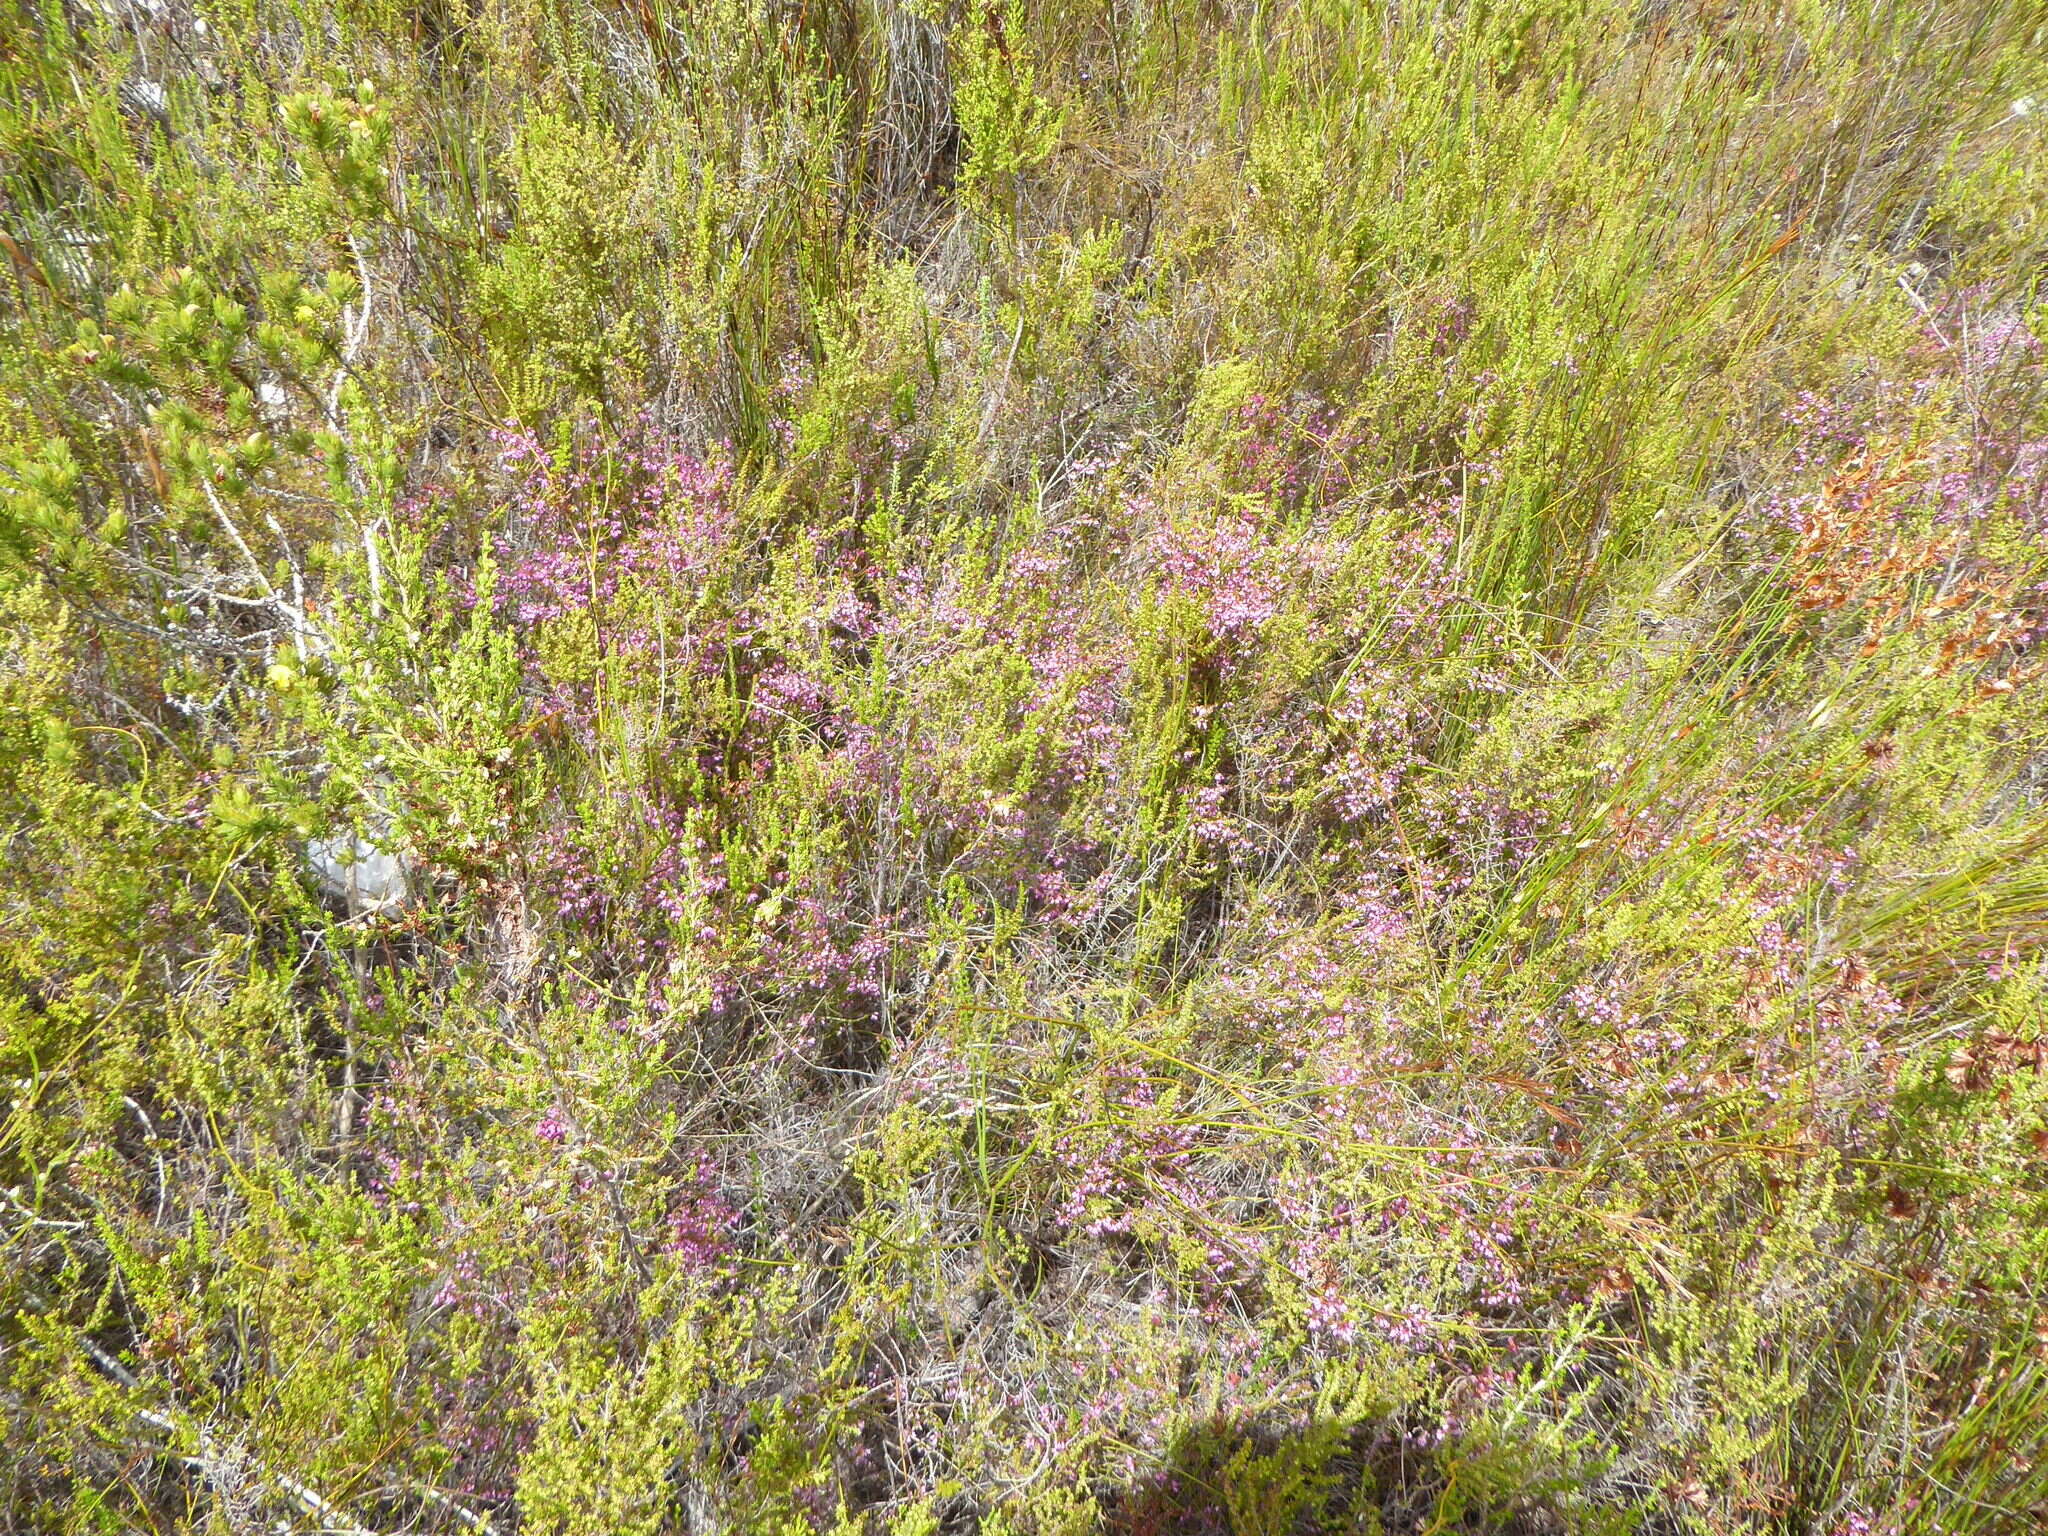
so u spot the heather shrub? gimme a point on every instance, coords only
(1255, 769)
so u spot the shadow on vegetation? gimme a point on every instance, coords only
(1229, 1477)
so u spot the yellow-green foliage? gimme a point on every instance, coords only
(557, 299)
(919, 767)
